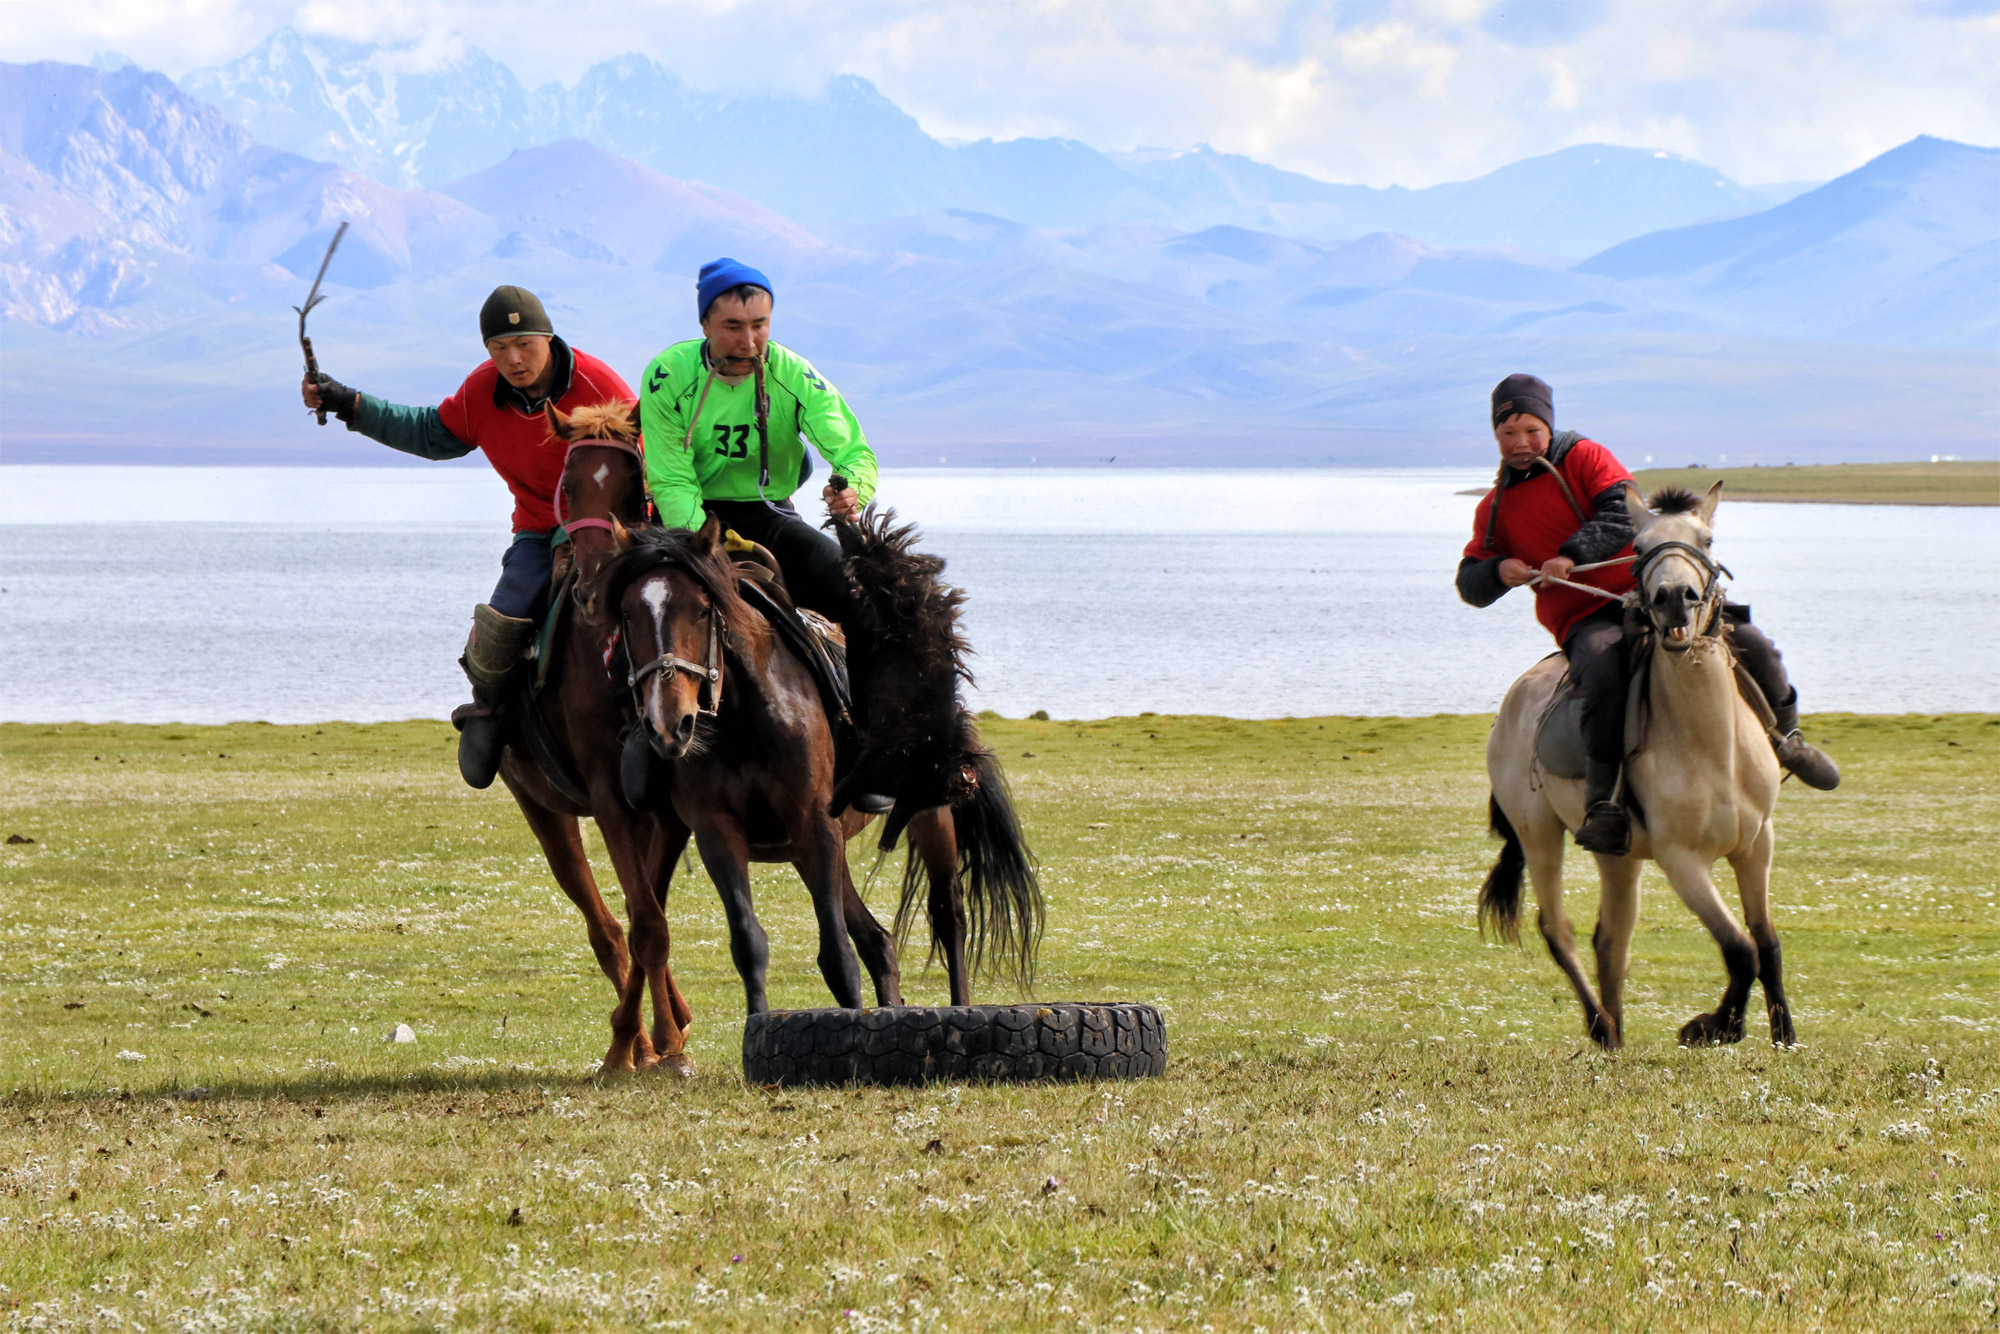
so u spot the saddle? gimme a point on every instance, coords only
(1559, 734)
(812, 638)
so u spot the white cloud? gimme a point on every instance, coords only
(1407, 91)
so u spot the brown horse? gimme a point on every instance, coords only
(568, 767)
(752, 760)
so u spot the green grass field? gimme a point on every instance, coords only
(1959, 482)
(1372, 1119)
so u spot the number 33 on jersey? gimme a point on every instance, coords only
(715, 457)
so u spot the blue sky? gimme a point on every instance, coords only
(1379, 91)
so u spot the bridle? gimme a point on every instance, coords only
(1713, 573)
(708, 673)
(577, 525)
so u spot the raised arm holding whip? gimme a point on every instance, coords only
(313, 298)
(499, 411)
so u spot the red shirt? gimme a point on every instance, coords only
(1536, 519)
(518, 444)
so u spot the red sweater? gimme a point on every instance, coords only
(1535, 520)
(518, 444)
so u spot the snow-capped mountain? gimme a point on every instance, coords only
(402, 116)
(147, 240)
(409, 116)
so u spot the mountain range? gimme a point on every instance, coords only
(979, 303)
(850, 155)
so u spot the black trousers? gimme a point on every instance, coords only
(808, 558)
(1595, 649)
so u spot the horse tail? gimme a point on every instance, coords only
(1003, 891)
(996, 869)
(1500, 896)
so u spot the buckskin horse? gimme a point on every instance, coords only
(1700, 765)
(562, 762)
(752, 757)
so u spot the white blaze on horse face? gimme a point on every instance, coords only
(654, 594)
(603, 471)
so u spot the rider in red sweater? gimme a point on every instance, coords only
(498, 410)
(1560, 503)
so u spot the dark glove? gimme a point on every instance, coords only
(336, 397)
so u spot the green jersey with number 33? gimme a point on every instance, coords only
(717, 458)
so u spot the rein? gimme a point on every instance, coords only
(1589, 588)
(762, 399)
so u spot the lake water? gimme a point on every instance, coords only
(303, 594)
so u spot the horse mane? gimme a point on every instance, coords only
(1673, 500)
(676, 548)
(597, 421)
(912, 608)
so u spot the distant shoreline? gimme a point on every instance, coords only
(1955, 482)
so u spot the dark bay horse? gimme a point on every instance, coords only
(752, 762)
(579, 713)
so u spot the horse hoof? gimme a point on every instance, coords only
(1705, 1030)
(677, 1065)
(1605, 1034)
(1782, 1034)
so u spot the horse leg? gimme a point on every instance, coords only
(822, 864)
(673, 843)
(875, 945)
(1542, 844)
(562, 845)
(1689, 876)
(1617, 915)
(936, 842)
(725, 853)
(1753, 883)
(644, 853)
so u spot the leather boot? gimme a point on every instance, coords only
(493, 650)
(1606, 828)
(1805, 761)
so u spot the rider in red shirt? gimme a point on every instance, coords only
(1559, 503)
(498, 410)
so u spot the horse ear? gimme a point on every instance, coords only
(632, 420)
(1708, 502)
(621, 537)
(1635, 505)
(709, 539)
(558, 424)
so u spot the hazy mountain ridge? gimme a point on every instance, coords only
(148, 241)
(850, 155)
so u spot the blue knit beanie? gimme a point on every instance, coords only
(718, 276)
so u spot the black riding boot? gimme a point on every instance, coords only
(1606, 828)
(492, 652)
(1807, 762)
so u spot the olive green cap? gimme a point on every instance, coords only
(510, 311)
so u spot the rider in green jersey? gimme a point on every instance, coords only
(710, 451)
